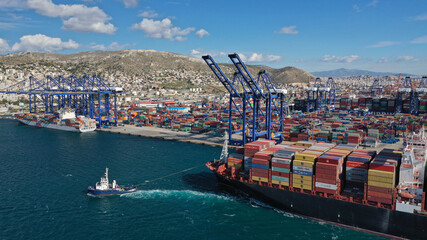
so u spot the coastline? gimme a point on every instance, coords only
(166, 134)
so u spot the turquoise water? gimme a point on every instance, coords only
(44, 173)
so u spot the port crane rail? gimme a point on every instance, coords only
(88, 95)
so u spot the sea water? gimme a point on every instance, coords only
(44, 174)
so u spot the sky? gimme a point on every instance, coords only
(375, 35)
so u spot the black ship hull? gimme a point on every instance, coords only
(354, 215)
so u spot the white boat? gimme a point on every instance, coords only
(104, 188)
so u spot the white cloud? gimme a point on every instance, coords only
(258, 57)
(4, 46)
(289, 30)
(373, 3)
(335, 59)
(130, 3)
(162, 29)
(198, 53)
(406, 59)
(149, 14)
(382, 60)
(111, 47)
(202, 32)
(383, 44)
(12, 3)
(42, 43)
(356, 8)
(76, 17)
(420, 40)
(421, 17)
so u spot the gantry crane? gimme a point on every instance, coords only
(81, 94)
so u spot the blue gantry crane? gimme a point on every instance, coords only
(90, 96)
(246, 95)
(313, 96)
(376, 88)
(274, 105)
(238, 99)
(326, 94)
(419, 91)
(405, 94)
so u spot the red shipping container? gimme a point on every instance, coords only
(379, 194)
(234, 160)
(325, 180)
(280, 165)
(387, 168)
(357, 165)
(326, 166)
(324, 190)
(253, 146)
(261, 161)
(380, 189)
(380, 200)
(327, 172)
(280, 174)
(260, 172)
(329, 160)
(262, 155)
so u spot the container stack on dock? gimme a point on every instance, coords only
(382, 176)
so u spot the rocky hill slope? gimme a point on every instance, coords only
(134, 64)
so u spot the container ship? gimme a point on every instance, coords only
(382, 193)
(65, 120)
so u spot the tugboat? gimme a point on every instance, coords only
(104, 188)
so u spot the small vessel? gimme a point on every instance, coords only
(104, 188)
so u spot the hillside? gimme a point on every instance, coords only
(131, 65)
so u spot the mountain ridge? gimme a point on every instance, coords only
(345, 72)
(141, 62)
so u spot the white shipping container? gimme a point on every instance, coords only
(326, 185)
(301, 168)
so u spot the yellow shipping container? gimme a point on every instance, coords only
(304, 143)
(305, 157)
(301, 181)
(303, 163)
(306, 187)
(380, 179)
(341, 150)
(236, 165)
(380, 184)
(380, 173)
(298, 176)
(280, 182)
(260, 179)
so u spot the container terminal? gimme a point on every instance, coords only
(356, 160)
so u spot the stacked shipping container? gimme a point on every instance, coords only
(382, 176)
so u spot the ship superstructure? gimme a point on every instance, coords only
(412, 173)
